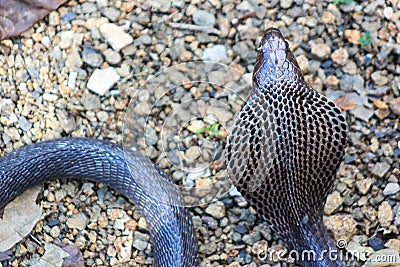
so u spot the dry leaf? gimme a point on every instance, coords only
(5, 255)
(74, 258)
(20, 216)
(19, 15)
(345, 103)
(53, 257)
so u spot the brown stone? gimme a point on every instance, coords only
(395, 106)
(328, 18)
(353, 36)
(340, 56)
(342, 226)
(332, 81)
(380, 104)
(333, 202)
(364, 185)
(393, 244)
(385, 214)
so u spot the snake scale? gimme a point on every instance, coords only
(283, 153)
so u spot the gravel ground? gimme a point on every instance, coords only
(73, 74)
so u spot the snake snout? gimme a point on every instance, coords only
(274, 60)
(274, 50)
(272, 40)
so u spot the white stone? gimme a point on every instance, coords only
(217, 53)
(102, 3)
(72, 79)
(248, 77)
(66, 39)
(391, 189)
(102, 80)
(233, 192)
(50, 97)
(115, 36)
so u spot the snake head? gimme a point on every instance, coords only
(274, 59)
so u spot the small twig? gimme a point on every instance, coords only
(126, 78)
(377, 230)
(142, 73)
(167, 17)
(247, 15)
(36, 240)
(192, 27)
(77, 195)
(346, 21)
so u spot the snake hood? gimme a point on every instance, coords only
(284, 150)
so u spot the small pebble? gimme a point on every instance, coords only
(216, 209)
(376, 243)
(286, 3)
(115, 36)
(53, 222)
(321, 51)
(380, 169)
(385, 214)
(380, 78)
(217, 53)
(362, 113)
(395, 106)
(342, 226)
(340, 56)
(24, 124)
(78, 221)
(334, 201)
(391, 189)
(203, 18)
(208, 248)
(112, 57)
(251, 238)
(69, 16)
(102, 80)
(92, 58)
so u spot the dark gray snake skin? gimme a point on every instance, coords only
(283, 151)
(170, 226)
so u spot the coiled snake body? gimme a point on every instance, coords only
(283, 152)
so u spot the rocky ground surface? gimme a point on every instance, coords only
(74, 73)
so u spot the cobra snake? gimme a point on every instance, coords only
(283, 152)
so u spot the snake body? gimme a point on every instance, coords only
(283, 152)
(170, 226)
